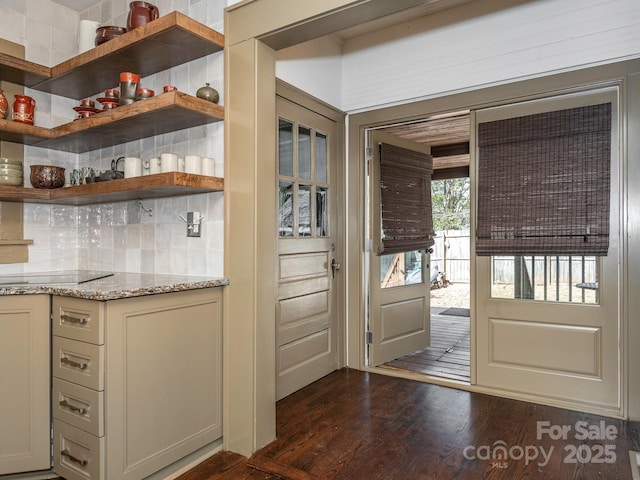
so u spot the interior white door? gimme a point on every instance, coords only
(399, 302)
(561, 352)
(308, 248)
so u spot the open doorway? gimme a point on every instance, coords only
(448, 354)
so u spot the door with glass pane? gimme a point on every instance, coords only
(548, 326)
(399, 315)
(308, 261)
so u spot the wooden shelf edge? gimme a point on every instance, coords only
(133, 51)
(22, 72)
(96, 132)
(160, 185)
(17, 129)
(15, 242)
(136, 109)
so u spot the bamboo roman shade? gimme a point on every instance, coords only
(543, 183)
(405, 200)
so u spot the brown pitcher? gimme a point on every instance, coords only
(141, 13)
(23, 109)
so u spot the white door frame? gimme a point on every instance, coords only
(586, 79)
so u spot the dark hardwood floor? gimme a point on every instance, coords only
(449, 354)
(354, 425)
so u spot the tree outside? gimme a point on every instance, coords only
(451, 204)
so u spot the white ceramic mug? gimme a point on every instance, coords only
(219, 167)
(168, 162)
(154, 166)
(132, 167)
(209, 167)
(193, 164)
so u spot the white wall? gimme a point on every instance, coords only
(315, 67)
(483, 43)
(118, 236)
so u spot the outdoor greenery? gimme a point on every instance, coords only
(451, 204)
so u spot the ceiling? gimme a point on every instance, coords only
(447, 136)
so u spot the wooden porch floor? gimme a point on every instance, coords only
(450, 350)
(353, 425)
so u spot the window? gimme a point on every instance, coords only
(303, 181)
(561, 278)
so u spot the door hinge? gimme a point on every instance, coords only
(368, 153)
(368, 245)
(368, 337)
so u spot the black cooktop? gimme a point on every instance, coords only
(74, 277)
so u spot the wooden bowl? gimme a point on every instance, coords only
(47, 176)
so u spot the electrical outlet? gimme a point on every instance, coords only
(194, 224)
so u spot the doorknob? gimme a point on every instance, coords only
(334, 266)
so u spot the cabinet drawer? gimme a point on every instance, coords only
(78, 319)
(79, 362)
(77, 455)
(78, 406)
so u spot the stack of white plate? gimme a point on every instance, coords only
(11, 172)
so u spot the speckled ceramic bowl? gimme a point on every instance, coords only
(47, 176)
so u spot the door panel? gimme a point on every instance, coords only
(563, 352)
(306, 308)
(399, 319)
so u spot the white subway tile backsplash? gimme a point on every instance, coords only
(147, 261)
(133, 237)
(120, 7)
(37, 214)
(197, 261)
(147, 236)
(42, 11)
(106, 12)
(64, 216)
(120, 237)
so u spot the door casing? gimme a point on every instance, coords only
(623, 74)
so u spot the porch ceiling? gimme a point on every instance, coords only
(447, 136)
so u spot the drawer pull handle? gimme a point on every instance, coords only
(73, 363)
(82, 463)
(70, 319)
(73, 408)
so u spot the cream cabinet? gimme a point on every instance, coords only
(25, 434)
(136, 382)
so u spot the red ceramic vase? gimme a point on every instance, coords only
(23, 109)
(4, 105)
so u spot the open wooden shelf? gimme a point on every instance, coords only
(17, 132)
(149, 186)
(22, 72)
(163, 113)
(171, 40)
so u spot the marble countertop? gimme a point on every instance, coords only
(118, 286)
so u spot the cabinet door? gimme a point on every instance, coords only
(163, 385)
(25, 436)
